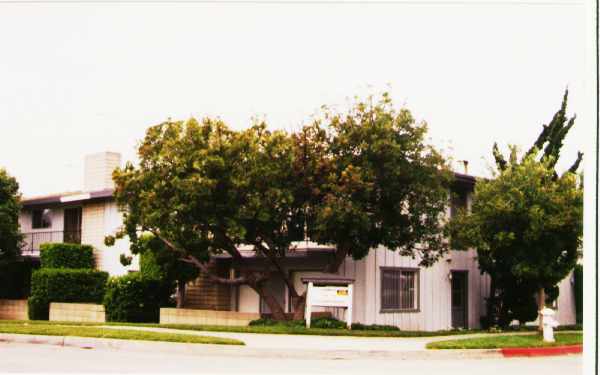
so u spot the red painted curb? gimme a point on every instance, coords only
(539, 352)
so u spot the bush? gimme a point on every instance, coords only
(66, 255)
(330, 323)
(134, 298)
(64, 285)
(15, 278)
(373, 327)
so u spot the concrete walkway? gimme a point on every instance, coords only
(324, 343)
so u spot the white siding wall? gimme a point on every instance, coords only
(249, 300)
(99, 220)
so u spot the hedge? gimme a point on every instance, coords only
(66, 255)
(64, 285)
(134, 298)
(578, 275)
(15, 278)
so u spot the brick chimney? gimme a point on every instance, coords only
(98, 169)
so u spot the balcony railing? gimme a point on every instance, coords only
(33, 240)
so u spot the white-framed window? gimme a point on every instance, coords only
(399, 289)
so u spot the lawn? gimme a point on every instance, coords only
(39, 328)
(508, 341)
(276, 329)
(283, 329)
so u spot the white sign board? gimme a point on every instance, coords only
(329, 296)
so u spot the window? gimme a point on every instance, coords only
(399, 289)
(41, 218)
(458, 201)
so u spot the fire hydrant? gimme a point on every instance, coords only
(548, 324)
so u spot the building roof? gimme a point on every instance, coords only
(68, 197)
(81, 196)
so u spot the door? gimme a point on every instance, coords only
(276, 286)
(72, 225)
(459, 299)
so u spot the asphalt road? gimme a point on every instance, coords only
(46, 358)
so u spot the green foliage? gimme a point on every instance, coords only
(66, 255)
(133, 298)
(64, 285)
(15, 278)
(526, 225)
(157, 262)
(353, 180)
(578, 275)
(321, 323)
(10, 206)
(374, 327)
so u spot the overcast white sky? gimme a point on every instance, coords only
(82, 78)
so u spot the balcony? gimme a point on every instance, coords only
(33, 240)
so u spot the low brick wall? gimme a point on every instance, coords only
(13, 309)
(206, 317)
(77, 312)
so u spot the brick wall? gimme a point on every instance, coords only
(205, 294)
(206, 317)
(13, 309)
(92, 230)
(77, 312)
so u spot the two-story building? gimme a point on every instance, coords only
(388, 288)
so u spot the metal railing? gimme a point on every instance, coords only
(33, 240)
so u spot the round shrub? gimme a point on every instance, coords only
(64, 285)
(66, 255)
(134, 298)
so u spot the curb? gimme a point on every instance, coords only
(542, 352)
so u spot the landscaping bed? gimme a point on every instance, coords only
(88, 330)
(508, 341)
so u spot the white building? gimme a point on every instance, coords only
(388, 288)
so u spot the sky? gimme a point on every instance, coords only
(80, 78)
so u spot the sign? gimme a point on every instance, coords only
(330, 296)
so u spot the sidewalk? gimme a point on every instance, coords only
(279, 346)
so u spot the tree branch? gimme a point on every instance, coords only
(278, 266)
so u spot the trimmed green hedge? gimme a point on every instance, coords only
(64, 285)
(578, 275)
(134, 298)
(66, 255)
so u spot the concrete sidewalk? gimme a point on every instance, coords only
(302, 342)
(235, 351)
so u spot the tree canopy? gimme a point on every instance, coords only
(352, 180)
(526, 224)
(10, 206)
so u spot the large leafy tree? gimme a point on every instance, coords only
(10, 206)
(157, 262)
(526, 223)
(352, 180)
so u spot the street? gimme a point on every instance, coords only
(57, 359)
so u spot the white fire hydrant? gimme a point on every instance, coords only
(548, 324)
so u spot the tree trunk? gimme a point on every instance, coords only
(276, 310)
(299, 307)
(180, 293)
(492, 304)
(541, 305)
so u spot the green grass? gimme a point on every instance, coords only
(81, 330)
(508, 341)
(276, 329)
